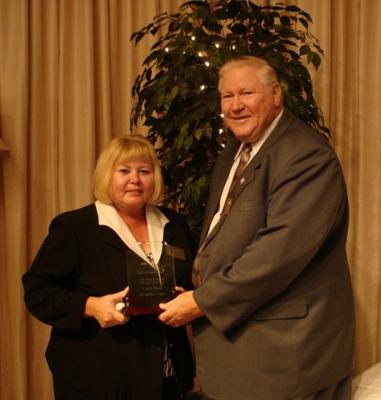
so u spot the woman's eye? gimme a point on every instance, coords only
(145, 171)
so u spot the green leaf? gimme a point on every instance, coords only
(212, 24)
(137, 37)
(193, 3)
(314, 58)
(238, 28)
(306, 15)
(292, 9)
(174, 92)
(233, 8)
(173, 26)
(305, 49)
(198, 134)
(304, 22)
(284, 20)
(181, 137)
(188, 142)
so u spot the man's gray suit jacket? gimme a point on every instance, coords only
(275, 288)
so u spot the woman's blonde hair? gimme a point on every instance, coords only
(125, 149)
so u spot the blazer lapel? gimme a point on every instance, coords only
(110, 238)
(169, 232)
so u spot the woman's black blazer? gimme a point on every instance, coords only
(80, 258)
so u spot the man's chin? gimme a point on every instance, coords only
(244, 135)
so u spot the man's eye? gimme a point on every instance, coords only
(226, 96)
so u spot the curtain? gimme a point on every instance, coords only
(348, 89)
(66, 72)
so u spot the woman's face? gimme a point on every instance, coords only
(133, 183)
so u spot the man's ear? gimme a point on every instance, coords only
(277, 93)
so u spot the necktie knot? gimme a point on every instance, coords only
(243, 160)
(245, 153)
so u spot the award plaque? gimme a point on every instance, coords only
(151, 278)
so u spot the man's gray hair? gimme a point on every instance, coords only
(267, 73)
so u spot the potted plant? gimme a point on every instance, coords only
(176, 94)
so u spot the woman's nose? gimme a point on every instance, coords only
(134, 177)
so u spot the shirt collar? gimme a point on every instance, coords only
(258, 144)
(156, 221)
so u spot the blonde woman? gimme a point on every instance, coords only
(79, 276)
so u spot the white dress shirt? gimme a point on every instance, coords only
(255, 148)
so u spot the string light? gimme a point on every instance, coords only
(166, 49)
(193, 37)
(217, 45)
(207, 63)
(222, 115)
(202, 87)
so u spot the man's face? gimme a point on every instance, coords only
(248, 105)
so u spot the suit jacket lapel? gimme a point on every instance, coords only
(249, 173)
(247, 176)
(285, 121)
(221, 174)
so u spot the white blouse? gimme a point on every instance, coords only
(156, 221)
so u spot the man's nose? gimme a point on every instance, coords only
(237, 103)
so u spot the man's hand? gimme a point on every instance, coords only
(180, 311)
(104, 311)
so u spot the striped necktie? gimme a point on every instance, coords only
(243, 160)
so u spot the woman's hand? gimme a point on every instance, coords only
(104, 311)
(179, 289)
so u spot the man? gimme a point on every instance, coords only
(272, 310)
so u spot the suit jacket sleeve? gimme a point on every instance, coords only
(50, 284)
(306, 202)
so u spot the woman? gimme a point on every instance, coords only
(79, 278)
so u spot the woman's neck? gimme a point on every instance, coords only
(137, 223)
(131, 213)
